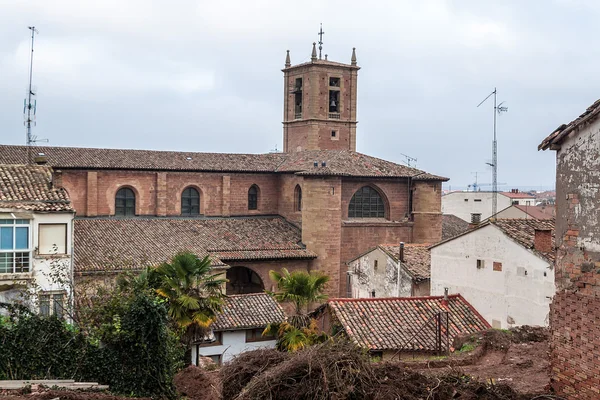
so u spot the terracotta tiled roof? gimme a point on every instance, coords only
(245, 311)
(523, 232)
(394, 323)
(417, 258)
(560, 133)
(518, 195)
(536, 212)
(453, 226)
(337, 162)
(29, 187)
(105, 244)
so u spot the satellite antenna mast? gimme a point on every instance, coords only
(30, 101)
(498, 108)
(409, 160)
(321, 33)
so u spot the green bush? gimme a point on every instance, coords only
(128, 346)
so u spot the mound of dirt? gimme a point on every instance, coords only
(198, 384)
(525, 334)
(238, 372)
(396, 383)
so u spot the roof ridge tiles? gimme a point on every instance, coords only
(410, 298)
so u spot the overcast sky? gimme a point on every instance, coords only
(206, 75)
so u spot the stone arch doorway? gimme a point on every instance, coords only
(243, 280)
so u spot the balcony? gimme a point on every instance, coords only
(298, 115)
(14, 280)
(334, 115)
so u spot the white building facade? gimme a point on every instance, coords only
(36, 235)
(239, 327)
(503, 268)
(472, 206)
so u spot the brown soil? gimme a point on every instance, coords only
(60, 394)
(198, 384)
(518, 358)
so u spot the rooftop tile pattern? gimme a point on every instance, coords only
(246, 311)
(105, 244)
(337, 162)
(29, 187)
(523, 232)
(556, 137)
(417, 258)
(392, 323)
(453, 226)
(518, 195)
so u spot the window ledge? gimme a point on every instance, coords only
(51, 256)
(375, 222)
(19, 276)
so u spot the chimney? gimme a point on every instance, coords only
(401, 251)
(542, 241)
(40, 159)
(57, 180)
(445, 299)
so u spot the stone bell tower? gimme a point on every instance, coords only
(319, 111)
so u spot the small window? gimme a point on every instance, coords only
(15, 251)
(335, 82)
(375, 265)
(515, 203)
(125, 203)
(475, 218)
(255, 335)
(190, 202)
(372, 293)
(52, 304)
(216, 339)
(298, 198)
(480, 264)
(466, 199)
(477, 200)
(333, 134)
(253, 198)
(52, 238)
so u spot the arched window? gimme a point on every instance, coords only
(190, 202)
(298, 198)
(366, 203)
(253, 198)
(125, 202)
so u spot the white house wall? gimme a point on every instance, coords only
(42, 266)
(364, 279)
(504, 298)
(233, 343)
(454, 203)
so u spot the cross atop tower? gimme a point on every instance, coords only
(321, 33)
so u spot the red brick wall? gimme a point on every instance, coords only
(142, 183)
(574, 346)
(321, 221)
(287, 197)
(313, 131)
(208, 185)
(395, 196)
(268, 195)
(427, 216)
(75, 183)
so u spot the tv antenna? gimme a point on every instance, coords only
(30, 103)
(321, 33)
(498, 109)
(409, 160)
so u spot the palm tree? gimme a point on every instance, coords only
(299, 287)
(193, 292)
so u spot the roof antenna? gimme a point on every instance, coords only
(498, 108)
(30, 103)
(409, 160)
(321, 33)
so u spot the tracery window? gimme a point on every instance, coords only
(366, 203)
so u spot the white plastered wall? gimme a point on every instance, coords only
(233, 343)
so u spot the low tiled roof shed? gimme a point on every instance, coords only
(383, 324)
(248, 311)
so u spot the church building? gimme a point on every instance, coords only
(314, 206)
